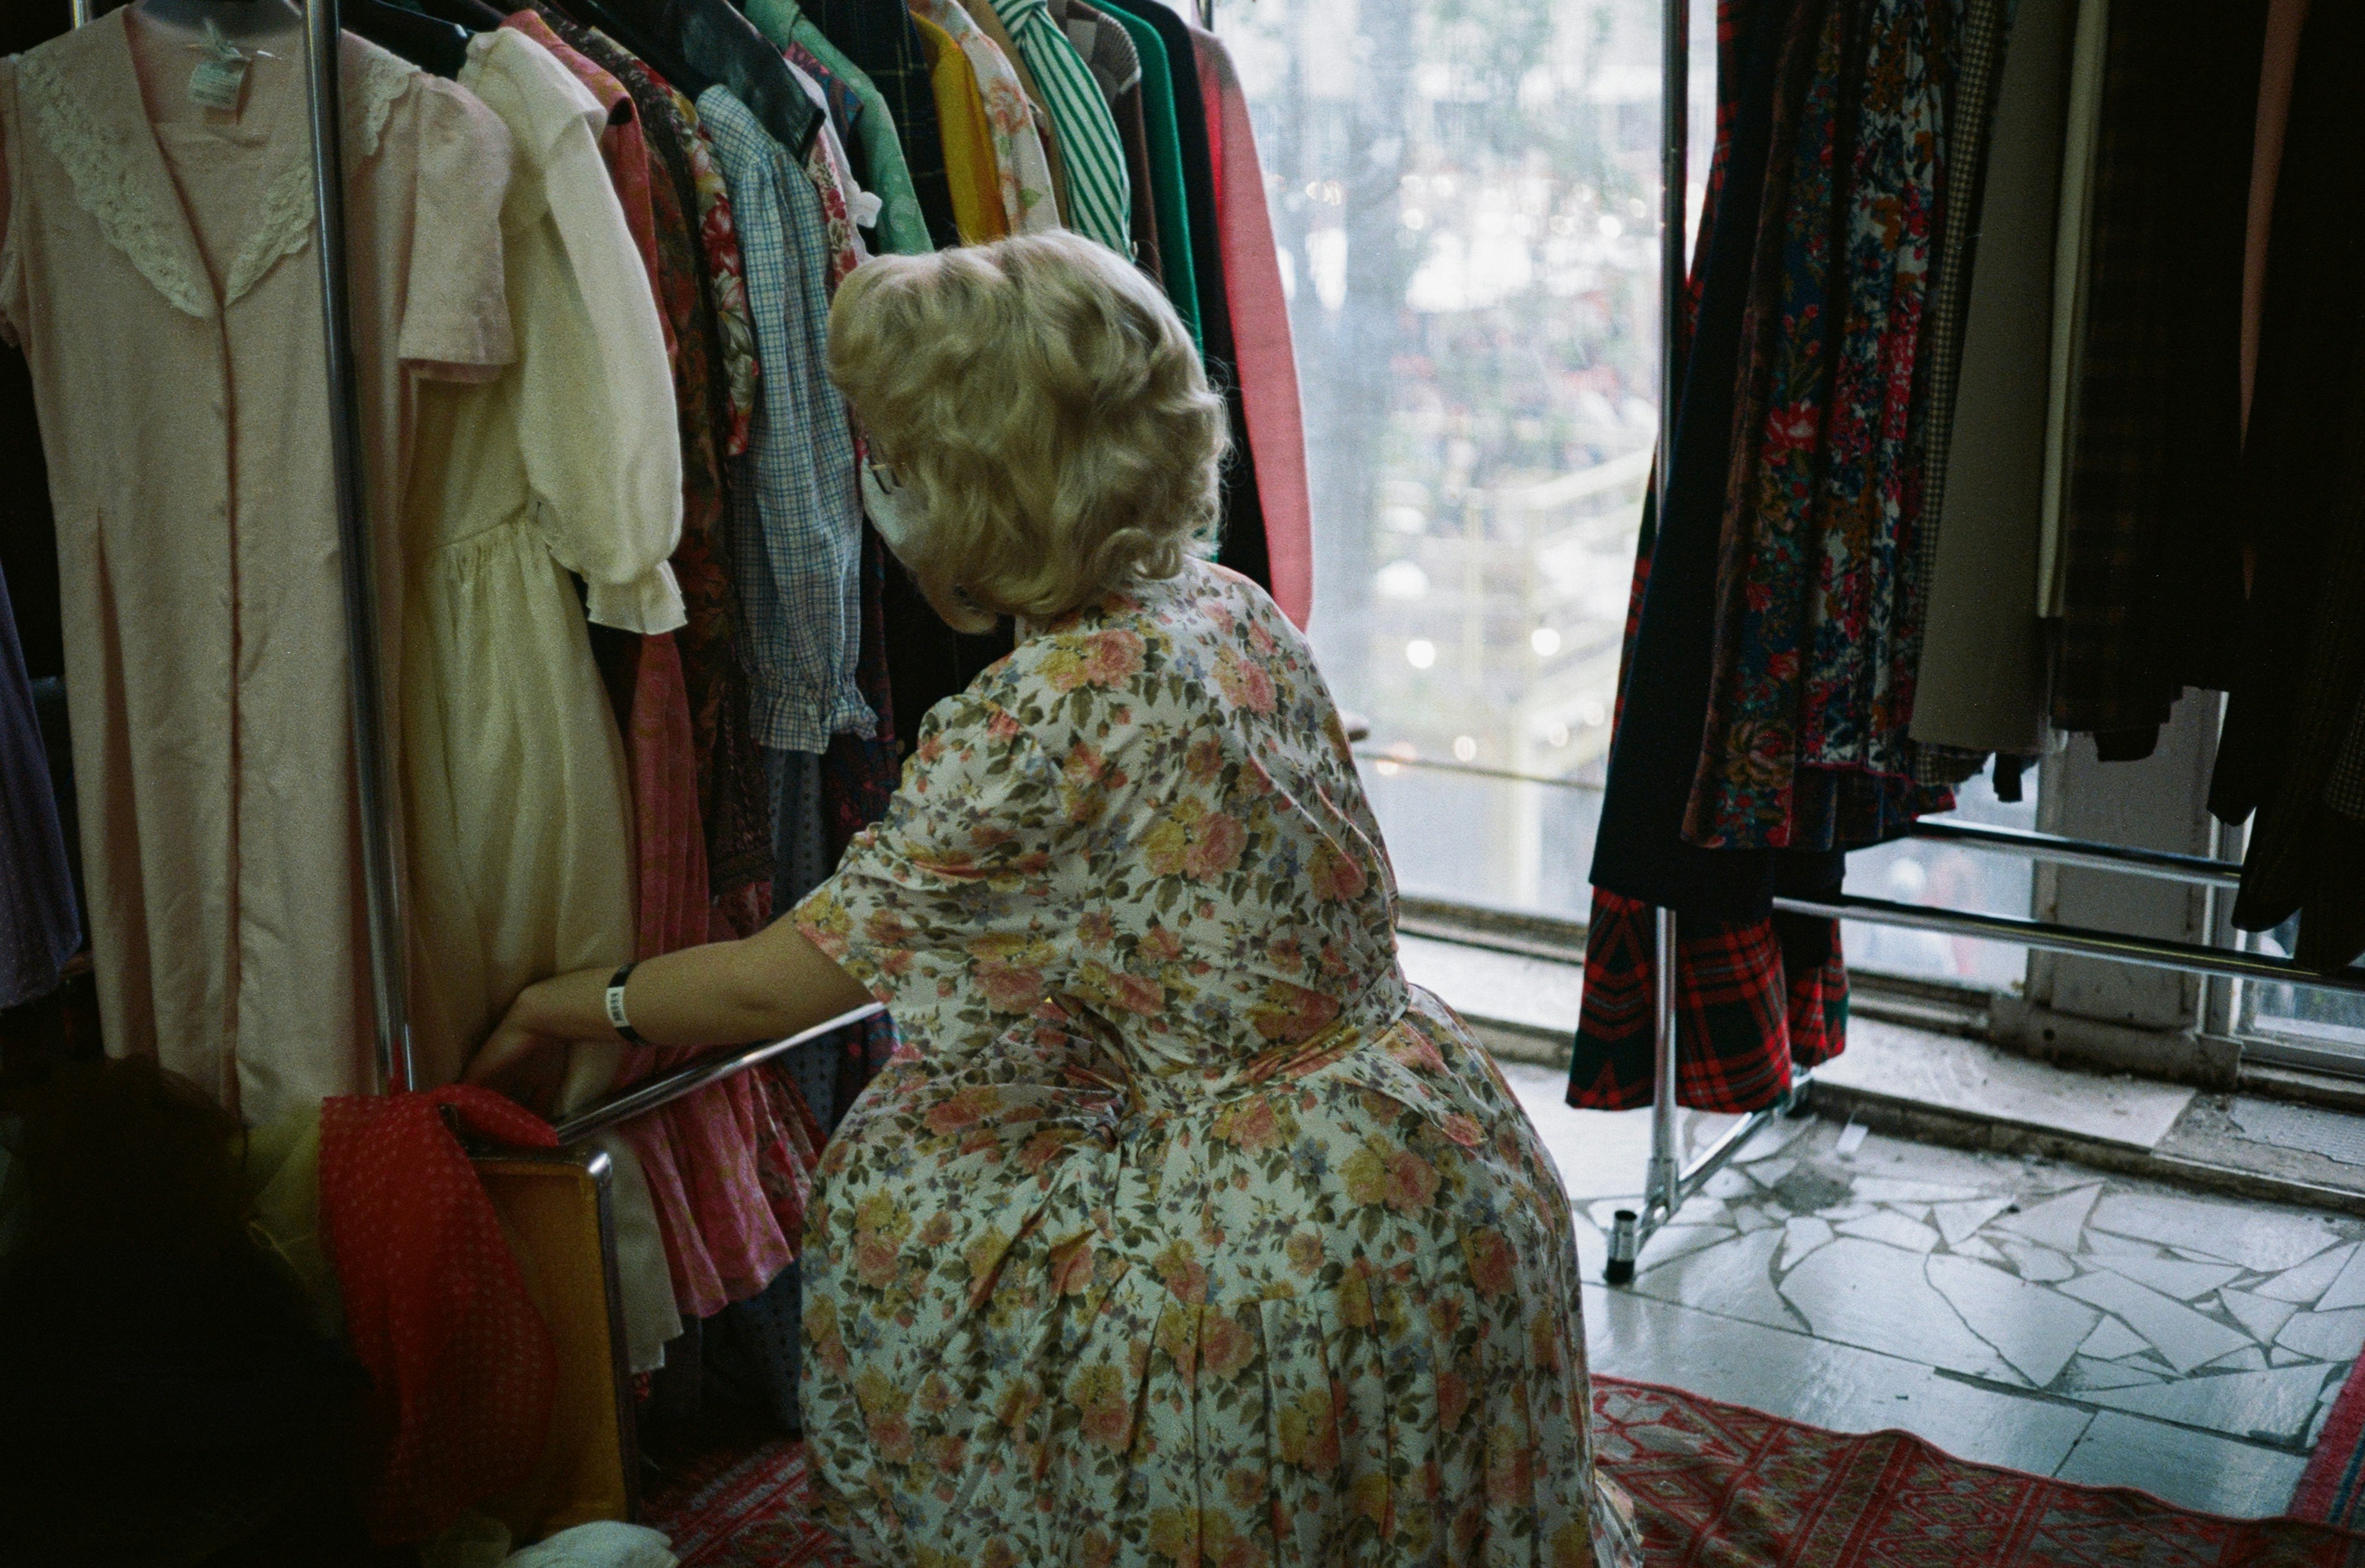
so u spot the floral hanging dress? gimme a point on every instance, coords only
(1181, 1229)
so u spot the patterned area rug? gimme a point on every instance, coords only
(743, 1508)
(1717, 1486)
(2329, 1488)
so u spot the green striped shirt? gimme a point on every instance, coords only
(1099, 196)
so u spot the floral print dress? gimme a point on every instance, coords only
(1180, 1229)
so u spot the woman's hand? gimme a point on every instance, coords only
(767, 987)
(520, 1057)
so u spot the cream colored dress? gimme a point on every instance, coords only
(156, 265)
(520, 800)
(514, 774)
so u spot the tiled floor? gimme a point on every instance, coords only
(2012, 1310)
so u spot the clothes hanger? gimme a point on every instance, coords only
(432, 45)
(240, 21)
(426, 42)
(647, 27)
(472, 15)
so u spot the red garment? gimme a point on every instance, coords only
(730, 1170)
(727, 1168)
(2285, 20)
(725, 1174)
(462, 1371)
(621, 146)
(1744, 1017)
(1262, 355)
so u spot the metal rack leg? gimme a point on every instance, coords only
(1668, 1185)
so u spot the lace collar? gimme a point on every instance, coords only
(81, 97)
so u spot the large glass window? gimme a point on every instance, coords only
(1466, 199)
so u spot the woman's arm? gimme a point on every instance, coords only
(767, 987)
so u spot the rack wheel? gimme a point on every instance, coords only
(1619, 1270)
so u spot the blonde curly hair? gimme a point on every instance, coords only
(1046, 408)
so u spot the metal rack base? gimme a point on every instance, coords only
(1628, 1229)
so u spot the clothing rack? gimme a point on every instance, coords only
(387, 921)
(1668, 1182)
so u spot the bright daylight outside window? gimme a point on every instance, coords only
(1465, 197)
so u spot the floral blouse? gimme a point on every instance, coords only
(1203, 923)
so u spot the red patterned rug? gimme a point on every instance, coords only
(2329, 1489)
(1717, 1486)
(743, 1508)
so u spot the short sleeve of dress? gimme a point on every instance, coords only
(455, 321)
(949, 908)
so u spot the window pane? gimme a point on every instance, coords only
(2329, 1025)
(1465, 200)
(1465, 203)
(1946, 876)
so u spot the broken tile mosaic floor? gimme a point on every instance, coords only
(2036, 1313)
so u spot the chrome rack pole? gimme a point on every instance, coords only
(81, 13)
(642, 1097)
(1670, 1184)
(389, 949)
(2153, 952)
(1664, 1182)
(2162, 863)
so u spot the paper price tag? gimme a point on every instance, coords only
(220, 77)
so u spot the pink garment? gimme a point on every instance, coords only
(1262, 352)
(725, 1172)
(157, 268)
(2285, 19)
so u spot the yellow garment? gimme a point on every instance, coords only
(282, 1181)
(975, 178)
(1037, 106)
(514, 777)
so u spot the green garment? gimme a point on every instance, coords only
(1165, 136)
(901, 230)
(1100, 202)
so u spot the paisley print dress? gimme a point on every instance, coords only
(1180, 1231)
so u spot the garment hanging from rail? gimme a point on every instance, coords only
(1744, 1010)
(717, 378)
(1101, 188)
(157, 271)
(1021, 168)
(970, 173)
(566, 463)
(879, 38)
(1806, 745)
(903, 227)
(41, 925)
(2292, 749)
(1264, 360)
(1984, 671)
(1114, 65)
(2149, 573)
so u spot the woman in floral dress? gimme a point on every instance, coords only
(1183, 1230)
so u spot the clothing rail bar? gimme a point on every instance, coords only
(389, 951)
(2163, 863)
(642, 1098)
(2155, 952)
(1664, 1191)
